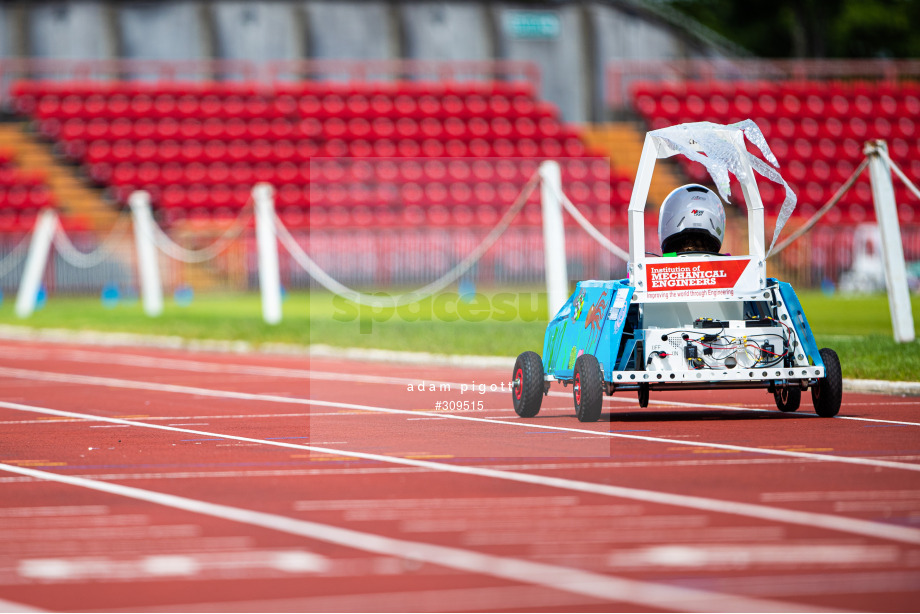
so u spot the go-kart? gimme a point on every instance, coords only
(685, 322)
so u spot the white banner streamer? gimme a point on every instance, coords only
(704, 142)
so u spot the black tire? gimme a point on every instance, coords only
(788, 398)
(827, 394)
(588, 388)
(643, 395)
(527, 384)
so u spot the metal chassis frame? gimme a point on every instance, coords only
(770, 378)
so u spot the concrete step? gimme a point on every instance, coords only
(74, 198)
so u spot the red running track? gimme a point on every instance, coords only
(153, 480)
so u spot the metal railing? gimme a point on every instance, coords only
(267, 74)
(620, 75)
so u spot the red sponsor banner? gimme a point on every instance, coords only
(696, 275)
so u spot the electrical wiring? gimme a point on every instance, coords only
(755, 351)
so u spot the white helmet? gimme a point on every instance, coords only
(691, 219)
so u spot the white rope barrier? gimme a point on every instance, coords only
(195, 256)
(820, 212)
(86, 260)
(897, 171)
(325, 280)
(15, 257)
(595, 234)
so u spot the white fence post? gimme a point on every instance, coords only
(886, 213)
(148, 267)
(267, 242)
(39, 248)
(557, 280)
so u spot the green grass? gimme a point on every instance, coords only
(858, 328)
(208, 317)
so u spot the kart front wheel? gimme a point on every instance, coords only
(827, 394)
(588, 388)
(643, 395)
(527, 384)
(788, 398)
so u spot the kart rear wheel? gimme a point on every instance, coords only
(527, 384)
(827, 394)
(788, 398)
(643, 395)
(588, 388)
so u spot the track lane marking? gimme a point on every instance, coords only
(753, 510)
(93, 380)
(487, 599)
(177, 475)
(565, 579)
(306, 414)
(735, 408)
(12, 606)
(180, 364)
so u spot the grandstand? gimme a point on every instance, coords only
(370, 118)
(816, 127)
(816, 115)
(357, 154)
(22, 194)
(391, 185)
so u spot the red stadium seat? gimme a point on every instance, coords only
(906, 127)
(434, 170)
(852, 148)
(802, 148)
(458, 170)
(206, 143)
(503, 147)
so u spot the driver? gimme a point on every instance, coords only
(691, 219)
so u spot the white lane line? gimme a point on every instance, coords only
(882, 421)
(753, 510)
(306, 414)
(137, 360)
(487, 599)
(171, 364)
(736, 408)
(12, 606)
(92, 380)
(799, 582)
(744, 556)
(192, 565)
(602, 586)
(274, 473)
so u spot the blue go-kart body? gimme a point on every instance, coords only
(594, 320)
(686, 322)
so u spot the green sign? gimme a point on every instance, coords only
(532, 24)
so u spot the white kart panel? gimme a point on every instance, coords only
(698, 278)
